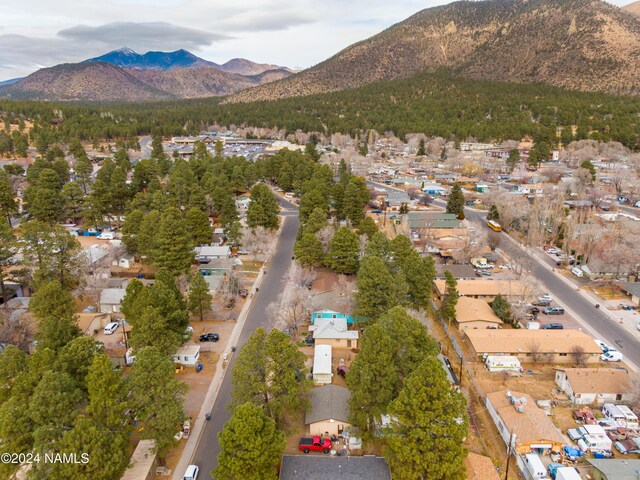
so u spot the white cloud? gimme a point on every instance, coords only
(295, 33)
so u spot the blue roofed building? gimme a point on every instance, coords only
(331, 314)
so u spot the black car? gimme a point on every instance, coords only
(552, 326)
(209, 337)
(534, 310)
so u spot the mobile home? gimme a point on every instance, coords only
(322, 369)
(630, 418)
(614, 413)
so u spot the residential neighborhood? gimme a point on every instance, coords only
(199, 288)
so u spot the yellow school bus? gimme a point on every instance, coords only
(495, 226)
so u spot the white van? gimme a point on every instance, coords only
(533, 326)
(577, 272)
(110, 328)
(191, 473)
(107, 236)
(611, 356)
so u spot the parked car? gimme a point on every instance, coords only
(231, 303)
(110, 328)
(106, 236)
(552, 326)
(611, 356)
(545, 296)
(577, 272)
(315, 444)
(584, 416)
(376, 211)
(603, 346)
(483, 273)
(553, 311)
(191, 473)
(209, 337)
(342, 370)
(244, 293)
(542, 303)
(533, 326)
(242, 251)
(534, 310)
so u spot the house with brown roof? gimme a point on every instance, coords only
(485, 289)
(517, 414)
(475, 313)
(595, 386)
(480, 467)
(548, 346)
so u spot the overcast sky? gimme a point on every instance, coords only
(293, 33)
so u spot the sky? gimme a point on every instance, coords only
(292, 33)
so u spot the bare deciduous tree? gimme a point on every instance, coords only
(302, 277)
(290, 312)
(257, 240)
(325, 235)
(579, 355)
(536, 354)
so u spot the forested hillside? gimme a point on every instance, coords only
(436, 104)
(587, 45)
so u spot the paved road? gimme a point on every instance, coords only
(206, 455)
(607, 330)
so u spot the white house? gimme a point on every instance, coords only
(334, 332)
(110, 299)
(125, 261)
(187, 355)
(322, 365)
(242, 203)
(595, 386)
(211, 253)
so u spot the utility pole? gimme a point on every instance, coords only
(460, 375)
(512, 441)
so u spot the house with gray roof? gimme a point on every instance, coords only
(632, 289)
(613, 469)
(329, 410)
(110, 299)
(315, 467)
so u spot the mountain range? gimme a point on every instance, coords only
(587, 45)
(129, 76)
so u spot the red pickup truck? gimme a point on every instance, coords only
(315, 444)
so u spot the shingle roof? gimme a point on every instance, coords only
(632, 288)
(313, 467)
(473, 310)
(333, 328)
(112, 296)
(328, 402)
(480, 467)
(522, 341)
(598, 380)
(531, 425)
(458, 271)
(619, 469)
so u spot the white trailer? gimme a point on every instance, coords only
(535, 466)
(500, 363)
